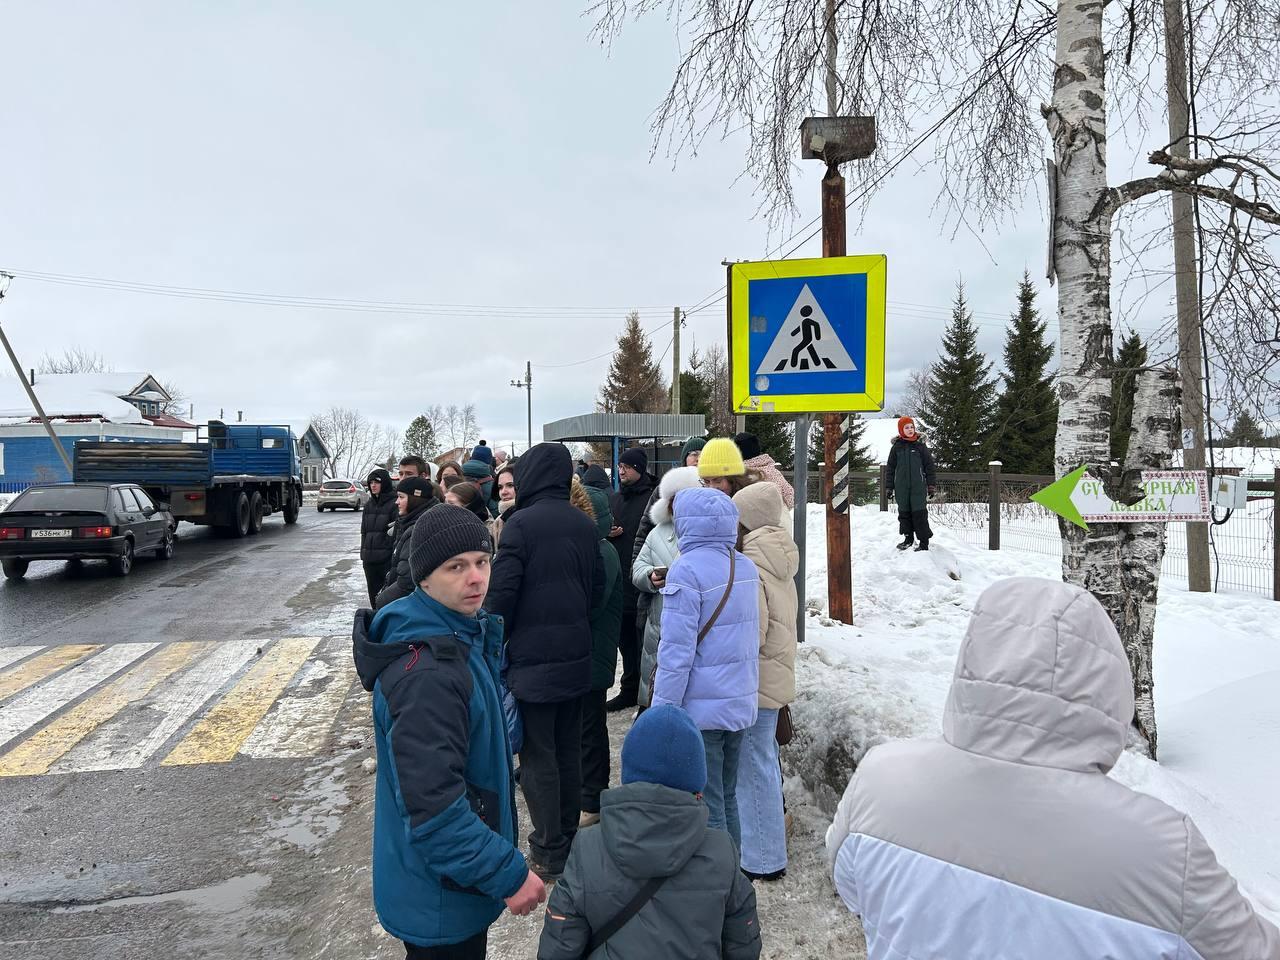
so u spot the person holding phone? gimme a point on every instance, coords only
(649, 572)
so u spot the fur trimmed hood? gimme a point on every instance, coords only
(673, 481)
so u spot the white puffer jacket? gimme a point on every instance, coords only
(1006, 838)
(777, 559)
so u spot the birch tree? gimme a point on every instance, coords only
(990, 86)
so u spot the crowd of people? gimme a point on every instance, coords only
(503, 594)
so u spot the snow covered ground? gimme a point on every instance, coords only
(1217, 674)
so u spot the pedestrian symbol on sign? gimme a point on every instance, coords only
(806, 342)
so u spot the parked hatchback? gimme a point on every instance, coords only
(83, 521)
(341, 493)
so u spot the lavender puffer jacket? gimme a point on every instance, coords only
(716, 681)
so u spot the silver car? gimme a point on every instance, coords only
(341, 493)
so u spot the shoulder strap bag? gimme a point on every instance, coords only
(711, 621)
(621, 918)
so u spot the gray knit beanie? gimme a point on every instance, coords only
(442, 532)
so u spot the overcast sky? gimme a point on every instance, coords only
(398, 152)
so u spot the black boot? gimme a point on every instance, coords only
(623, 701)
(922, 545)
(906, 544)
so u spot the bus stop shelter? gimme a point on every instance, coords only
(620, 430)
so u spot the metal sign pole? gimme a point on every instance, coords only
(800, 514)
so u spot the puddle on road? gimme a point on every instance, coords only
(225, 897)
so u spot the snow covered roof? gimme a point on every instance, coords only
(1259, 462)
(80, 395)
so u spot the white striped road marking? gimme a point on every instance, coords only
(25, 711)
(221, 732)
(10, 655)
(300, 722)
(38, 752)
(118, 746)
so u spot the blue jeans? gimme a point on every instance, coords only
(723, 751)
(764, 829)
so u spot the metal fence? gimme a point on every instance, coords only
(995, 510)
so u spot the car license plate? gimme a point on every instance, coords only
(49, 534)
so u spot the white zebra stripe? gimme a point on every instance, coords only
(32, 706)
(117, 746)
(10, 655)
(301, 719)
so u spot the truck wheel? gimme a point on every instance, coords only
(123, 564)
(255, 513)
(15, 569)
(291, 507)
(240, 523)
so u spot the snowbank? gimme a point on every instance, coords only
(885, 676)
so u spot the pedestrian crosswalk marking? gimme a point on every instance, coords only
(77, 708)
(37, 753)
(37, 668)
(118, 746)
(43, 700)
(298, 724)
(10, 655)
(218, 736)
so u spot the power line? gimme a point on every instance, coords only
(330, 303)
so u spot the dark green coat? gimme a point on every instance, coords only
(911, 466)
(606, 617)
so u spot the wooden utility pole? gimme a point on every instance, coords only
(839, 573)
(1190, 357)
(675, 364)
(839, 548)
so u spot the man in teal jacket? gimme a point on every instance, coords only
(444, 832)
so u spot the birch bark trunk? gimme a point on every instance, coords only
(1118, 563)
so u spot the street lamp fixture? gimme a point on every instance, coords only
(5, 279)
(527, 385)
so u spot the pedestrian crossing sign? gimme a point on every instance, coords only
(807, 336)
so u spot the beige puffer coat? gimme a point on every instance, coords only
(776, 557)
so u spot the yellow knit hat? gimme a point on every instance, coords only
(721, 458)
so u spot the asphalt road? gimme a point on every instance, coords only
(175, 746)
(185, 765)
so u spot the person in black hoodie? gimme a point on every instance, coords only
(414, 496)
(376, 541)
(546, 578)
(628, 507)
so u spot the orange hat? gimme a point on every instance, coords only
(902, 425)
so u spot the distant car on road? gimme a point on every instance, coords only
(341, 493)
(83, 521)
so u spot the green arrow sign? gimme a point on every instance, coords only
(1057, 497)
(1169, 496)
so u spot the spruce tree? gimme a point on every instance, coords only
(1026, 418)
(635, 383)
(1245, 432)
(695, 390)
(963, 395)
(1131, 357)
(420, 438)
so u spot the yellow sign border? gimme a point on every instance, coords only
(874, 266)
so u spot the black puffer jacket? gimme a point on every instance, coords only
(546, 578)
(376, 539)
(628, 506)
(399, 581)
